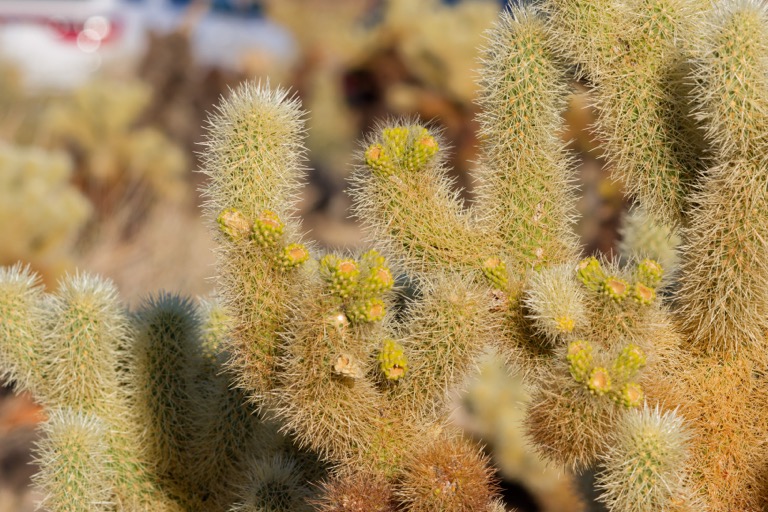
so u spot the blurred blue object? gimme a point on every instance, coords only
(230, 6)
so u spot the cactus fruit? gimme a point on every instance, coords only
(392, 361)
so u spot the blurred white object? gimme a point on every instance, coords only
(223, 35)
(60, 43)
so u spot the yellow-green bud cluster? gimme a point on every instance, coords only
(372, 258)
(359, 284)
(397, 138)
(599, 381)
(642, 294)
(591, 273)
(617, 382)
(650, 273)
(341, 274)
(406, 147)
(369, 310)
(580, 359)
(615, 288)
(291, 256)
(392, 360)
(233, 223)
(378, 281)
(267, 229)
(631, 395)
(377, 158)
(629, 361)
(496, 272)
(375, 276)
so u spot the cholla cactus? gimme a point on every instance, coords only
(140, 416)
(119, 164)
(664, 398)
(41, 212)
(438, 42)
(494, 410)
(642, 237)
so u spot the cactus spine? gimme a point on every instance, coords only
(724, 296)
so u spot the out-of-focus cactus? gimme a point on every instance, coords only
(642, 237)
(140, 416)
(118, 164)
(494, 409)
(439, 42)
(42, 213)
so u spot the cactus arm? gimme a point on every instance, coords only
(636, 54)
(724, 294)
(406, 203)
(74, 458)
(524, 191)
(254, 163)
(87, 326)
(22, 319)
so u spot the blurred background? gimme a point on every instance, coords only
(102, 109)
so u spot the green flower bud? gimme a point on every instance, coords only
(378, 281)
(615, 288)
(629, 362)
(292, 256)
(650, 273)
(496, 272)
(404, 147)
(591, 273)
(379, 161)
(422, 151)
(373, 258)
(340, 273)
(267, 229)
(643, 294)
(233, 223)
(392, 360)
(580, 359)
(631, 395)
(371, 310)
(599, 381)
(396, 138)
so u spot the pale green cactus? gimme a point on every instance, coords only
(662, 396)
(74, 456)
(119, 163)
(41, 211)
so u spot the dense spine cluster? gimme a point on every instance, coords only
(724, 295)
